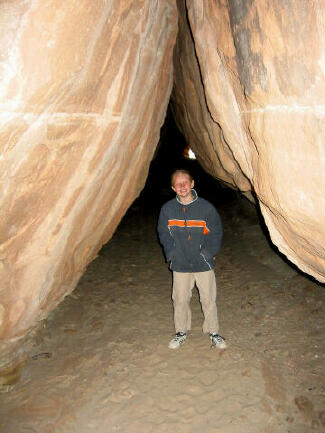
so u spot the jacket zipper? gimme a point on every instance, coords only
(185, 219)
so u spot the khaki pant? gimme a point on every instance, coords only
(183, 284)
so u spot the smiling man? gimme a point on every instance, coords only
(190, 232)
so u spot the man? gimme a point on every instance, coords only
(190, 232)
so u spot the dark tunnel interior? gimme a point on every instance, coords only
(171, 155)
(236, 210)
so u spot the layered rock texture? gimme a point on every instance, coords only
(83, 91)
(249, 97)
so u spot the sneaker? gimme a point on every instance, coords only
(179, 338)
(218, 341)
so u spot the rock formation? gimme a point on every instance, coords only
(84, 90)
(249, 96)
(83, 93)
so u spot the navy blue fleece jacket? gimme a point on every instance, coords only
(190, 234)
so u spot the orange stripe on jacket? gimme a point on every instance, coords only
(190, 223)
(179, 223)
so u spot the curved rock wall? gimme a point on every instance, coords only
(84, 88)
(83, 93)
(249, 92)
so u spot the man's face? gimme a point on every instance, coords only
(183, 185)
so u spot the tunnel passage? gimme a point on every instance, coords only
(101, 361)
(173, 152)
(84, 93)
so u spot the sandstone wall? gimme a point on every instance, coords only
(249, 97)
(84, 87)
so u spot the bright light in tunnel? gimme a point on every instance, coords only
(188, 153)
(191, 154)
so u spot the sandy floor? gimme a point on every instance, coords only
(101, 364)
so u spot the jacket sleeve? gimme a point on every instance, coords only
(214, 237)
(165, 237)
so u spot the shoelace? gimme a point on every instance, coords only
(179, 336)
(217, 338)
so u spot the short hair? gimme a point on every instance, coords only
(180, 171)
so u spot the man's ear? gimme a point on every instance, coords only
(192, 184)
(173, 189)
